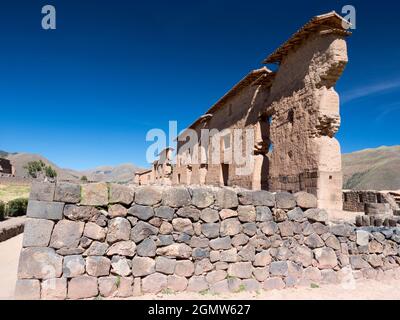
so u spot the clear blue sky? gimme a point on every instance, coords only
(87, 93)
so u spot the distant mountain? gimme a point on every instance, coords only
(372, 169)
(121, 173)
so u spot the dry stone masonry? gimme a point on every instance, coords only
(111, 240)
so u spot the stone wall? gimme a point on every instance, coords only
(110, 240)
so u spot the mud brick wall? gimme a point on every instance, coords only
(110, 240)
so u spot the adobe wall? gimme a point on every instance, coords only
(110, 240)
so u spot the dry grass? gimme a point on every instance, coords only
(11, 192)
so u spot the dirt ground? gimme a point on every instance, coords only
(368, 289)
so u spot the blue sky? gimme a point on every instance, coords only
(86, 94)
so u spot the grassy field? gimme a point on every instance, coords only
(11, 192)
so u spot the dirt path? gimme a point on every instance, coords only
(371, 290)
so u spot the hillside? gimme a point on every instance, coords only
(375, 169)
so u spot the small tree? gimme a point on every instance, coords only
(39, 170)
(84, 179)
(50, 172)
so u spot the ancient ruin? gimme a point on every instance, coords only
(294, 112)
(6, 168)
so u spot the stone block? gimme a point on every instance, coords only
(147, 248)
(316, 215)
(177, 283)
(274, 283)
(141, 212)
(230, 227)
(39, 263)
(82, 287)
(73, 266)
(184, 268)
(37, 232)
(45, 210)
(66, 234)
(108, 286)
(42, 191)
(197, 284)
(209, 215)
(94, 194)
(94, 231)
(142, 266)
(165, 265)
(243, 270)
(54, 289)
(67, 192)
(203, 198)
(142, 230)
(98, 266)
(176, 197)
(164, 212)
(226, 199)
(211, 230)
(119, 229)
(122, 248)
(27, 290)
(285, 200)
(120, 194)
(121, 266)
(306, 200)
(154, 283)
(80, 213)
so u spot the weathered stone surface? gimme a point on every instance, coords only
(230, 255)
(262, 259)
(177, 283)
(147, 248)
(80, 213)
(94, 231)
(142, 230)
(70, 251)
(312, 274)
(329, 277)
(230, 227)
(202, 266)
(257, 198)
(165, 240)
(358, 263)
(125, 288)
(37, 232)
(221, 243)
(362, 237)
(241, 270)
(67, 192)
(154, 283)
(320, 228)
(147, 196)
(39, 263)
(117, 210)
(247, 213)
(274, 283)
(178, 250)
(303, 255)
(164, 212)
(286, 229)
(269, 228)
(42, 191)
(306, 200)
(197, 284)
(202, 198)
(183, 225)
(210, 230)
(122, 248)
(96, 249)
(66, 234)
(326, 258)
(314, 241)
(184, 268)
(45, 210)
(215, 256)
(296, 215)
(316, 215)
(82, 287)
(166, 228)
(27, 290)
(285, 200)
(199, 242)
(209, 215)
(141, 212)
(263, 214)
(73, 266)
(216, 276)
(54, 289)
(176, 197)
(227, 213)
(249, 228)
(189, 212)
(375, 247)
(333, 242)
(119, 229)
(341, 230)
(375, 261)
(98, 266)
(240, 240)
(94, 194)
(279, 215)
(120, 194)
(247, 253)
(165, 265)
(200, 253)
(108, 286)
(226, 199)
(121, 266)
(142, 266)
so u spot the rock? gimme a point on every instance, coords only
(216, 276)
(362, 237)
(306, 200)
(314, 241)
(122, 248)
(248, 253)
(269, 228)
(202, 266)
(94, 194)
(326, 258)
(263, 214)
(296, 215)
(183, 225)
(42, 191)
(358, 263)
(278, 268)
(125, 287)
(340, 230)
(274, 283)
(329, 277)
(142, 266)
(117, 210)
(197, 284)
(166, 228)
(320, 228)
(141, 212)
(316, 215)
(178, 250)
(95, 232)
(227, 213)
(247, 213)
(154, 283)
(226, 199)
(121, 266)
(198, 242)
(202, 198)
(221, 243)
(188, 212)
(333, 242)
(230, 255)
(221, 265)
(312, 274)
(249, 228)
(279, 215)
(54, 289)
(200, 253)
(108, 286)
(261, 274)
(240, 240)
(209, 215)
(147, 195)
(165, 240)
(211, 230)
(251, 285)
(66, 234)
(96, 249)
(230, 227)
(67, 192)
(73, 266)
(165, 265)
(176, 197)
(303, 256)
(164, 212)
(119, 229)
(82, 287)
(375, 247)
(177, 283)
(142, 230)
(215, 256)
(307, 228)
(184, 268)
(37, 232)
(375, 261)
(80, 213)
(147, 248)
(27, 289)
(39, 263)
(286, 229)
(45, 210)
(285, 200)
(262, 259)
(120, 194)
(241, 270)
(98, 266)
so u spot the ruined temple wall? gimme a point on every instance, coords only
(305, 117)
